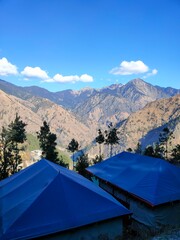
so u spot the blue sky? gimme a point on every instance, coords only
(72, 44)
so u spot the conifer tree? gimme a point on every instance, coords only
(73, 146)
(5, 155)
(165, 141)
(100, 139)
(111, 137)
(149, 151)
(17, 135)
(48, 143)
(153, 151)
(175, 154)
(82, 164)
(158, 152)
(138, 148)
(10, 138)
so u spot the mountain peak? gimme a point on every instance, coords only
(137, 81)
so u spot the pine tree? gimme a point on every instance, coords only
(17, 135)
(149, 151)
(6, 155)
(165, 141)
(10, 138)
(158, 151)
(82, 164)
(138, 148)
(111, 137)
(100, 139)
(72, 147)
(175, 154)
(153, 151)
(48, 143)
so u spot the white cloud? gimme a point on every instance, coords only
(70, 79)
(7, 68)
(129, 68)
(86, 78)
(153, 72)
(36, 72)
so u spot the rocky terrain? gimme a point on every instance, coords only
(138, 109)
(34, 111)
(97, 106)
(146, 124)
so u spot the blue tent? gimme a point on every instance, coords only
(153, 180)
(46, 198)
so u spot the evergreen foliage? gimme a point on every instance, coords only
(100, 139)
(47, 141)
(11, 138)
(153, 151)
(175, 154)
(138, 148)
(165, 141)
(97, 159)
(111, 137)
(72, 147)
(82, 164)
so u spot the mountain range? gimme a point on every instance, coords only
(138, 109)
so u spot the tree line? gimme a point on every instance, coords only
(163, 148)
(12, 138)
(108, 137)
(14, 135)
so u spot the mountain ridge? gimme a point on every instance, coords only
(36, 110)
(61, 97)
(126, 106)
(108, 104)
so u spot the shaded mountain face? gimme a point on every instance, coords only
(146, 124)
(35, 110)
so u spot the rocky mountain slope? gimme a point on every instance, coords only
(146, 124)
(36, 110)
(98, 107)
(118, 104)
(138, 109)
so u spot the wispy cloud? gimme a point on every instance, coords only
(153, 72)
(7, 68)
(34, 72)
(129, 68)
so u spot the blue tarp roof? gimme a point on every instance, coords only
(46, 198)
(152, 179)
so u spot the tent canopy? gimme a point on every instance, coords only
(46, 198)
(152, 179)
